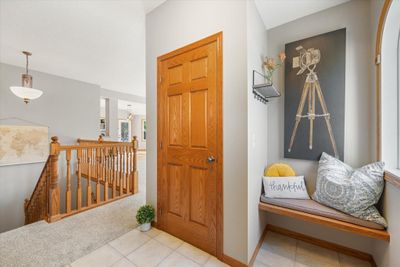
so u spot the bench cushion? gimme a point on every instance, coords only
(313, 207)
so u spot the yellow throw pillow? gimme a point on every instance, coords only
(279, 169)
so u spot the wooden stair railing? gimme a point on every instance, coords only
(36, 208)
(94, 172)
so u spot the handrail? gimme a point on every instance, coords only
(75, 147)
(103, 171)
(99, 140)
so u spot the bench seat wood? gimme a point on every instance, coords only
(332, 223)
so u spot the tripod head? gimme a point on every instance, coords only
(307, 60)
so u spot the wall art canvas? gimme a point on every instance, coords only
(315, 96)
(23, 144)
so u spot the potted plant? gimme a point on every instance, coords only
(144, 216)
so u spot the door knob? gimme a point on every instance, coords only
(210, 159)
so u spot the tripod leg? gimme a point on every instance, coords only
(327, 118)
(311, 114)
(298, 113)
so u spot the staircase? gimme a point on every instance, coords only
(79, 177)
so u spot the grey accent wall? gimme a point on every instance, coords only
(355, 17)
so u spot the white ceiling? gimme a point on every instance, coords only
(96, 41)
(278, 12)
(102, 41)
(149, 5)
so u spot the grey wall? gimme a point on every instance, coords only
(257, 126)
(355, 17)
(178, 23)
(69, 108)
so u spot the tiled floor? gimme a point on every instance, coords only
(282, 251)
(153, 248)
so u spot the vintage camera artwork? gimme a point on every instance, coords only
(308, 60)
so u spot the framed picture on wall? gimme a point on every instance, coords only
(144, 130)
(315, 96)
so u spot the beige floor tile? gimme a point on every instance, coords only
(277, 250)
(129, 241)
(214, 262)
(308, 255)
(153, 232)
(177, 260)
(169, 240)
(260, 264)
(124, 263)
(193, 253)
(102, 257)
(347, 261)
(150, 254)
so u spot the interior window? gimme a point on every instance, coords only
(124, 130)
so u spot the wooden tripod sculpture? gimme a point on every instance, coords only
(312, 87)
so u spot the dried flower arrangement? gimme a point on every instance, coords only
(270, 66)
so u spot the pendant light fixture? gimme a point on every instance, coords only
(26, 92)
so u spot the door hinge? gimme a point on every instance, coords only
(160, 211)
(161, 145)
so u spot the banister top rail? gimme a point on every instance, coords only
(100, 140)
(85, 146)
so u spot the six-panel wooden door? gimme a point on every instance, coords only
(188, 150)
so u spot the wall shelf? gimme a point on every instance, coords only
(264, 91)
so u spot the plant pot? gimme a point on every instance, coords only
(145, 227)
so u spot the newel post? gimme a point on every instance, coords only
(100, 139)
(135, 181)
(54, 193)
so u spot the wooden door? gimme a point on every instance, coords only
(190, 144)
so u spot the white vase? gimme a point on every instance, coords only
(145, 227)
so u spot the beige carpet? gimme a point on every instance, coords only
(62, 242)
(58, 244)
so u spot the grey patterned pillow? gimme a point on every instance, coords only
(354, 192)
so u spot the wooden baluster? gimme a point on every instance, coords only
(127, 170)
(68, 188)
(135, 181)
(120, 176)
(113, 173)
(131, 168)
(89, 174)
(104, 171)
(54, 204)
(98, 170)
(79, 188)
(123, 170)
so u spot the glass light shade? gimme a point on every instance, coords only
(26, 93)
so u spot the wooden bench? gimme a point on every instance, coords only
(328, 222)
